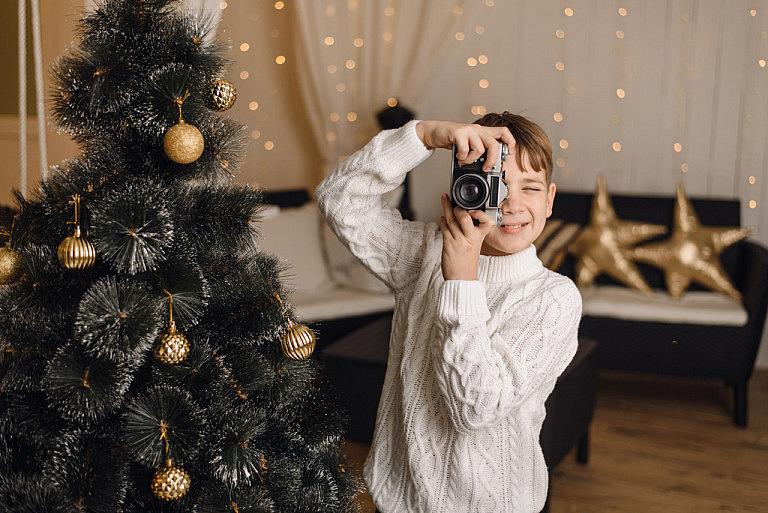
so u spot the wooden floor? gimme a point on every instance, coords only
(660, 444)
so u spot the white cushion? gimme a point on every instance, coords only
(293, 235)
(345, 269)
(695, 307)
(336, 302)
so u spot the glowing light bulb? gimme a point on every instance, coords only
(621, 93)
(564, 144)
(616, 146)
(558, 117)
(568, 11)
(678, 147)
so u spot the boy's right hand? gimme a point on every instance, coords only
(471, 140)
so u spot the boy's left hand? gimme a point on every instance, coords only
(462, 240)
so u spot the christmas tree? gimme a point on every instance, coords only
(148, 361)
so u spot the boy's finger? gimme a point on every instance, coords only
(485, 222)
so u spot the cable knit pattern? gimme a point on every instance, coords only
(471, 363)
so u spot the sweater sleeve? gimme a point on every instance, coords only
(350, 199)
(485, 377)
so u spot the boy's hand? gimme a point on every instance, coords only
(471, 140)
(462, 240)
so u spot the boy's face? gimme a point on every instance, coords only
(525, 210)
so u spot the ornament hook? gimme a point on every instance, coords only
(179, 101)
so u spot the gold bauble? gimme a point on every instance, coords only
(171, 347)
(299, 342)
(76, 252)
(603, 245)
(692, 252)
(170, 483)
(183, 143)
(11, 265)
(222, 94)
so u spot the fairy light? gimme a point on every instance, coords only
(389, 11)
(560, 33)
(753, 13)
(253, 105)
(329, 40)
(387, 36)
(223, 5)
(568, 11)
(761, 63)
(458, 10)
(472, 62)
(244, 75)
(684, 167)
(621, 93)
(752, 204)
(490, 3)
(269, 145)
(350, 64)
(622, 11)
(245, 47)
(392, 101)
(331, 69)
(482, 59)
(280, 59)
(479, 30)
(341, 87)
(678, 147)
(279, 5)
(559, 66)
(358, 42)
(564, 144)
(483, 83)
(560, 162)
(255, 134)
(616, 146)
(752, 180)
(459, 36)
(558, 117)
(478, 110)
(351, 117)
(620, 34)
(334, 117)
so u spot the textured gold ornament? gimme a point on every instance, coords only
(11, 265)
(603, 245)
(170, 483)
(692, 252)
(299, 342)
(76, 252)
(183, 143)
(222, 94)
(171, 347)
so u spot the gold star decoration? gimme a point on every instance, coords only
(692, 252)
(602, 246)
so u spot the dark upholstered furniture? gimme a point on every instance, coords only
(355, 366)
(724, 352)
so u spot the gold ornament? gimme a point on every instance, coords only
(222, 94)
(76, 252)
(11, 261)
(692, 252)
(299, 341)
(602, 245)
(170, 483)
(171, 347)
(183, 143)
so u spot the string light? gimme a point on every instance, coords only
(621, 93)
(479, 30)
(358, 42)
(458, 10)
(622, 11)
(753, 13)
(478, 110)
(560, 162)
(334, 117)
(482, 59)
(620, 34)
(223, 5)
(559, 65)
(389, 11)
(560, 33)
(752, 204)
(280, 59)
(490, 3)
(255, 134)
(245, 47)
(472, 62)
(244, 75)
(279, 5)
(269, 145)
(341, 87)
(253, 105)
(351, 117)
(752, 180)
(564, 144)
(459, 36)
(387, 36)
(761, 63)
(392, 101)
(483, 83)
(329, 40)
(684, 167)
(350, 64)
(558, 117)
(568, 11)
(678, 147)
(331, 69)
(616, 146)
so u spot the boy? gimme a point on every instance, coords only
(480, 332)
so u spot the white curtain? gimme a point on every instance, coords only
(352, 56)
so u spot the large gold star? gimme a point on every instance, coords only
(602, 245)
(692, 252)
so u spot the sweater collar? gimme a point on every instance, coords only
(499, 269)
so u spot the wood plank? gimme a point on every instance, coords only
(659, 444)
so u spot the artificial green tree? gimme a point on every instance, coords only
(142, 367)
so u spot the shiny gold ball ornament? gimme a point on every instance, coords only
(170, 483)
(183, 143)
(11, 265)
(171, 347)
(299, 342)
(221, 94)
(76, 253)
(603, 245)
(693, 251)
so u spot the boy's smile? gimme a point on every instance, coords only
(525, 209)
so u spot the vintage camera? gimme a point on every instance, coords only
(475, 189)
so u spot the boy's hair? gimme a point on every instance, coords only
(530, 137)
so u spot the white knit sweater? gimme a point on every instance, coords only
(470, 362)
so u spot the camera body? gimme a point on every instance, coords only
(475, 189)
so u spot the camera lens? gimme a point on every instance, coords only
(470, 191)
